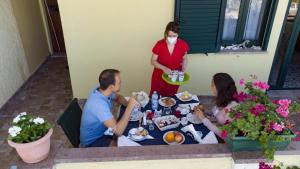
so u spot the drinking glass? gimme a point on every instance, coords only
(167, 110)
(150, 125)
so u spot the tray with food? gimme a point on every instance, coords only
(167, 122)
(170, 79)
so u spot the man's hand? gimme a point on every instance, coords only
(121, 100)
(133, 102)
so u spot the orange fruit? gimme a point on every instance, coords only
(170, 137)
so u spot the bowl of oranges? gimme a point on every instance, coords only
(173, 138)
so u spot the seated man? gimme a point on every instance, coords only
(97, 116)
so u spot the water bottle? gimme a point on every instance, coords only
(154, 101)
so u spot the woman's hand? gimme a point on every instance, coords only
(167, 70)
(157, 65)
(198, 111)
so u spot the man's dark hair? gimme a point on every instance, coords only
(107, 77)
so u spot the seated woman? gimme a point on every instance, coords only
(223, 88)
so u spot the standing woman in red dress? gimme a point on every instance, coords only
(169, 54)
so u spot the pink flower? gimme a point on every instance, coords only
(278, 127)
(260, 108)
(271, 126)
(254, 98)
(282, 111)
(263, 165)
(227, 122)
(297, 133)
(238, 115)
(253, 111)
(275, 101)
(284, 103)
(241, 97)
(260, 85)
(283, 108)
(242, 82)
(263, 121)
(224, 134)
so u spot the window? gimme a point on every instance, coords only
(209, 24)
(231, 19)
(245, 20)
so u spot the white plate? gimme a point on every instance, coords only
(179, 96)
(174, 143)
(136, 116)
(193, 119)
(163, 104)
(142, 98)
(135, 137)
(191, 105)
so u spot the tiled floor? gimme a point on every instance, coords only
(293, 75)
(48, 93)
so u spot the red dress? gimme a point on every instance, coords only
(173, 62)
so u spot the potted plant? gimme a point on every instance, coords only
(259, 123)
(30, 136)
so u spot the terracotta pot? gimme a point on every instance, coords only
(35, 151)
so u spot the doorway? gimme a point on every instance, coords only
(55, 27)
(285, 73)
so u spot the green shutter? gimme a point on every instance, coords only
(201, 23)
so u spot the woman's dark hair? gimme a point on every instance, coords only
(226, 89)
(107, 77)
(172, 26)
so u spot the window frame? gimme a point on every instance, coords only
(241, 24)
(264, 34)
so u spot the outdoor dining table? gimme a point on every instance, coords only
(157, 133)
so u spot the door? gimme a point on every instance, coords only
(55, 27)
(285, 55)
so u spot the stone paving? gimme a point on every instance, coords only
(47, 93)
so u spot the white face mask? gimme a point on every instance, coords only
(172, 40)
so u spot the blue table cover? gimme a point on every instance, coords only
(157, 134)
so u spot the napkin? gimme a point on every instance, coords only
(210, 138)
(146, 137)
(109, 132)
(125, 141)
(149, 137)
(195, 97)
(190, 129)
